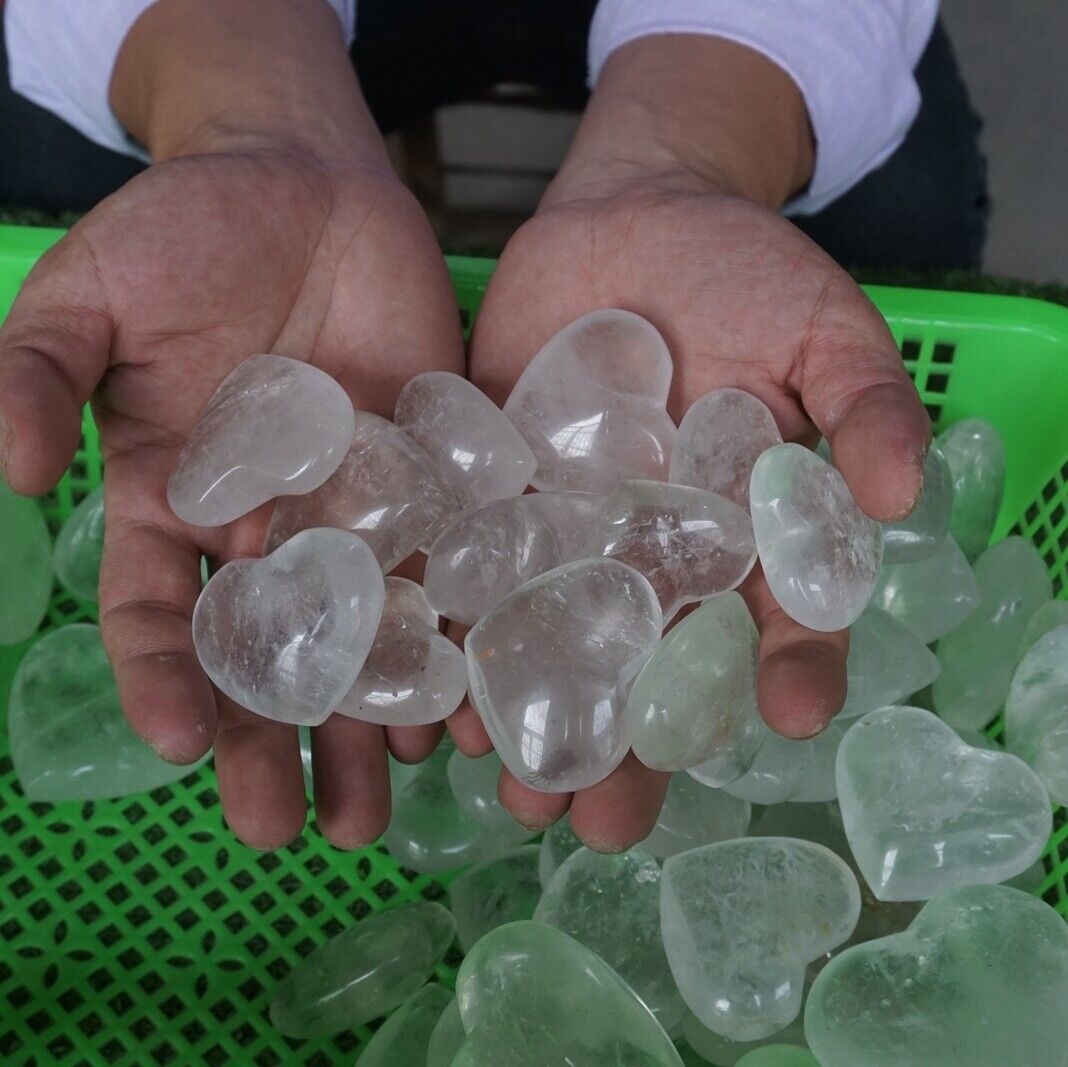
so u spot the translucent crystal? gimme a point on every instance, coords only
(978, 657)
(497, 891)
(557, 844)
(530, 996)
(611, 904)
(692, 815)
(363, 972)
(925, 812)
(550, 666)
(779, 1056)
(474, 784)
(930, 597)
(68, 737)
(743, 919)
(1048, 617)
(592, 404)
(975, 453)
(723, 1052)
(695, 699)
(689, 543)
(286, 636)
(819, 551)
(413, 674)
(275, 427)
(79, 547)
(886, 664)
(1036, 712)
(405, 1036)
(447, 1037)
(920, 535)
(479, 453)
(387, 490)
(980, 977)
(719, 440)
(26, 570)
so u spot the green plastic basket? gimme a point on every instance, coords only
(138, 931)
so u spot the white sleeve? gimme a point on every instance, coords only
(61, 54)
(852, 60)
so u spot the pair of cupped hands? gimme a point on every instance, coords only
(240, 244)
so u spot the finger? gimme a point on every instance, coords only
(801, 684)
(54, 349)
(464, 724)
(530, 808)
(617, 813)
(351, 778)
(261, 783)
(412, 744)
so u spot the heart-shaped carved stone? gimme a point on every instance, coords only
(979, 978)
(275, 427)
(80, 547)
(743, 919)
(925, 812)
(286, 636)
(975, 454)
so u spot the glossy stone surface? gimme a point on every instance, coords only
(387, 490)
(549, 669)
(975, 454)
(689, 543)
(557, 844)
(1036, 712)
(275, 427)
(920, 535)
(743, 919)
(592, 404)
(820, 552)
(79, 547)
(478, 452)
(694, 814)
(932, 596)
(497, 891)
(979, 656)
(925, 812)
(719, 440)
(980, 977)
(474, 785)
(1048, 617)
(531, 996)
(486, 554)
(722, 1052)
(68, 737)
(286, 636)
(695, 699)
(611, 904)
(886, 664)
(363, 972)
(25, 569)
(413, 675)
(405, 1036)
(447, 1037)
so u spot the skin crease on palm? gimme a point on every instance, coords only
(310, 247)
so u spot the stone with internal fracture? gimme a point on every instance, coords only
(920, 535)
(80, 546)
(25, 568)
(501, 890)
(975, 453)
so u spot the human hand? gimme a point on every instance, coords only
(277, 229)
(674, 216)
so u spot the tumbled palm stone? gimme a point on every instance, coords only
(474, 784)
(529, 996)
(819, 551)
(386, 489)
(447, 1037)
(405, 1036)
(925, 812)
(275, 427)
(286, 636)
(478, 451)
(975, 454)
(26, 570)
(1048, 617)
(689, 543)
(695, 699)
(719, 440)
(979, 978)
(743, 919)
(413, 675)
(497, 891)
(887, 663)
(694, 814)
(932, 596)
(920, 535)
(79, 547)
(592, 404)
(69, 739)
(611, 904)
(363, 972)
(550, 666)
(978, 657)
(557, 844)
(1036, 712)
